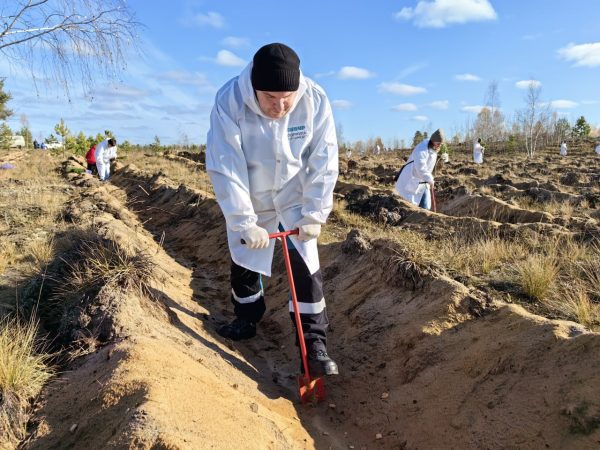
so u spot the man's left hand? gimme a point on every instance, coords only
(309, 231)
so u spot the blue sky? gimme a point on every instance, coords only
(388, 67)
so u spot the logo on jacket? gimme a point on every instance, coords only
(298, 132)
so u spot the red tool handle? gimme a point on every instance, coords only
(288, 267)
(433, 199)
(277, 235)
(283, 234)
(290, 275)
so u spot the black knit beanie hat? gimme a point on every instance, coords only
(276, 68)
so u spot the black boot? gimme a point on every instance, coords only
(319, 362)
(238, 329)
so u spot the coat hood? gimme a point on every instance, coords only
(249, 97)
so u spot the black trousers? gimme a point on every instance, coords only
(248, 298)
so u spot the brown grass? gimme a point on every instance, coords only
(8, 254)
(483, 256)
(537, 275)
(40, 252)
(100, 262)
(573, 303)
(178, 171)
(23, 372)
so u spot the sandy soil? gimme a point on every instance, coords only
(426, 362)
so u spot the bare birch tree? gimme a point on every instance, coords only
(67, 40)
(492, 101)
(533, 118)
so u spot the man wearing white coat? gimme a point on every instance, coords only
(478, 152)
(105, 151)
(415, 178)
(563, 149)
(272, 157)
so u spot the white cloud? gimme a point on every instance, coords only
(421, 118)
(110, 105)
(211, 19)
(227, 58)
(439, 104)
(589, 102)
(119, 90)
(411, 69)
(324, 74)
(236, 42)
(524, 84)
(405, 107)
(341, 104)
(467, 77)
(401, 89)
(354, 73)
(440, 13)
(184, 77)
(561, 104)
(587, 55)
(472, 108)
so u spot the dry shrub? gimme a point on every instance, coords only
(483, 256)
(563, 209)
(181, 172)
(574, 304)
(590, 275)
(537, 275)
(23, 373)
(41, 252)
(8, 254)
(101, 262)
(486, 190)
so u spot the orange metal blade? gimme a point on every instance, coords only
(311, 391)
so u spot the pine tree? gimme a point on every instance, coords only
(4, 98)
(417, 138)
(581, 129)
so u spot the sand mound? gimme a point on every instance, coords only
(425, 361)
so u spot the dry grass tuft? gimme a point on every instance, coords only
(8, 254)
(190, 173)
(23, 372)
(483, 256)
(575, 304)
(102, 262)
(537, 275)
(41, 252)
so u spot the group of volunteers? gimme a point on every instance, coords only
(272, 157)
(99, 157)
(563, 149)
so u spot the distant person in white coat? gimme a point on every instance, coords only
(272, 157)
(563, 149)
(478, 150)
(415, 178)
(105, 152)
(598, 149)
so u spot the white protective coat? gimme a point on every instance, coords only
(563, 149)
(478, 153)
(104, 154)
(412, 182)
(270, 171)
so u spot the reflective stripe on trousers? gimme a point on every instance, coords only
(247, 296)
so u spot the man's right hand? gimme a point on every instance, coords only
(256, 237)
